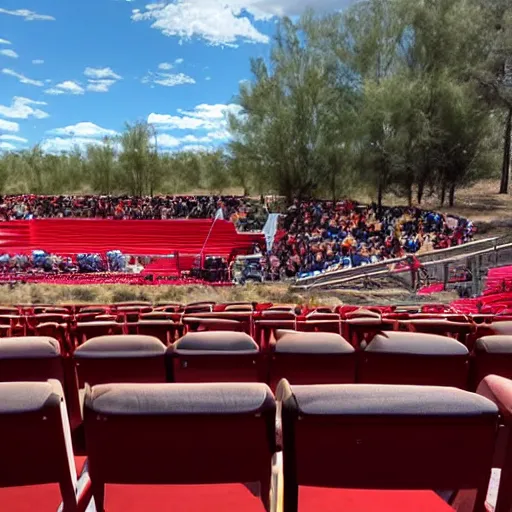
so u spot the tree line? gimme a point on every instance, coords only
(412, 97)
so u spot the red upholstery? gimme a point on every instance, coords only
(384, 437)
(87, 330)
(179, 434)
(216, 356)
(311, 358)
(414, 358)
(121, 358)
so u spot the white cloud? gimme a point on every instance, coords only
(59, 145)
(203, 117)
(100, 85)
(21, 109)
(196, 148)
(208, 78)
(38, 61)
(9, 126)
(194, 140)
(22, 78)
(178, 61)
(219, 135)
(13, 138)
(219, 22)
(7, 146)
(167, 141)
(28, 15)
(166, 66)
(9, 53)
(83, 130)
(101, 74)
(4, 41)
(66, 87)
(171, 80)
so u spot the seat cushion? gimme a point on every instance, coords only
(181, 498)
(29, 498)
(313, 499)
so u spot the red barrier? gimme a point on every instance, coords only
(138, 237)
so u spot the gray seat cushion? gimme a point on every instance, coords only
(499, 344)
(210, 342)
(313, 343)
(22, 397)
(29, 347)
(120, 346)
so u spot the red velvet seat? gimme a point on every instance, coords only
(341, 438)
(121, 358)
(492, 355)
(37, 467)
(414, 358)
(176, 436)
(311, 358)
(216, 356)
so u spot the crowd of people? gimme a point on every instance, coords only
(312, 236)
(248, 215)
(316, 236)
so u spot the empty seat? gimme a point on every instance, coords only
(86, 330)
(414, 358)
(37, 467)
(181, 434)
(30, 358)
(197, 324)
(121, 358)
(392, 438)
(215, 356)
(164, 330)
(311, 358)
(493, 355)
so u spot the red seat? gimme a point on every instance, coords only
(120, 358)
(164, 330)
(36, 450)
(414, 358)
(197, 324)
(179, 435)
(492, 355)
(391, 438)
(311, 358)
(86, 330)
(216, 356)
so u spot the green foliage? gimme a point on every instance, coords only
(402, 96)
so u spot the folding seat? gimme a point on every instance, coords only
(243, 306)
(122, 358)
(311, 358)
(499, 390)
(501, 328)
(196, 324)
(8, 310)
(356, 330)
(269, 321)
(87, 330)
(164, 330)
(317, 321)
(156, 315)
(38, 470)
(383, 448)
(414, 358)
(30, 358)
(58, 331)
(216, 356)
(492, 355)
(87, 317)
(442, 326)
(180, 447)
(198, 307)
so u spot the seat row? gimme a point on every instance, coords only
(234, 446)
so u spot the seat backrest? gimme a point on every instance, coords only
(121, 358)
(493, 355)
(179, 434)
(161, 329)
(311, 358)
(35, 438)
(385, 437)
(216, 356)
(87, 330)
(501, 328)
(30, 358)
(414, 358)
(197, 324)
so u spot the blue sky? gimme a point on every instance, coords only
(71, 72)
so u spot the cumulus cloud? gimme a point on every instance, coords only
(7, 146)
(13, 138)
(27, 15)
(168, 79)
(4, 41)
(196, 148)
(9, 126)
(21, 108)
(38, 61)
(60, 145)
(9, 53)
(202, 117)
(218, 22)
(165, 140)
(22, 78)
(84, 129)
(100, 85)
(66, 87)
(101, 74)
(166, 66)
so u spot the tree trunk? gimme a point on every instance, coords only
(451, 197)
(409, 194)
(443, 193)
(421, 189)
(379, 198)
(505, 169)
